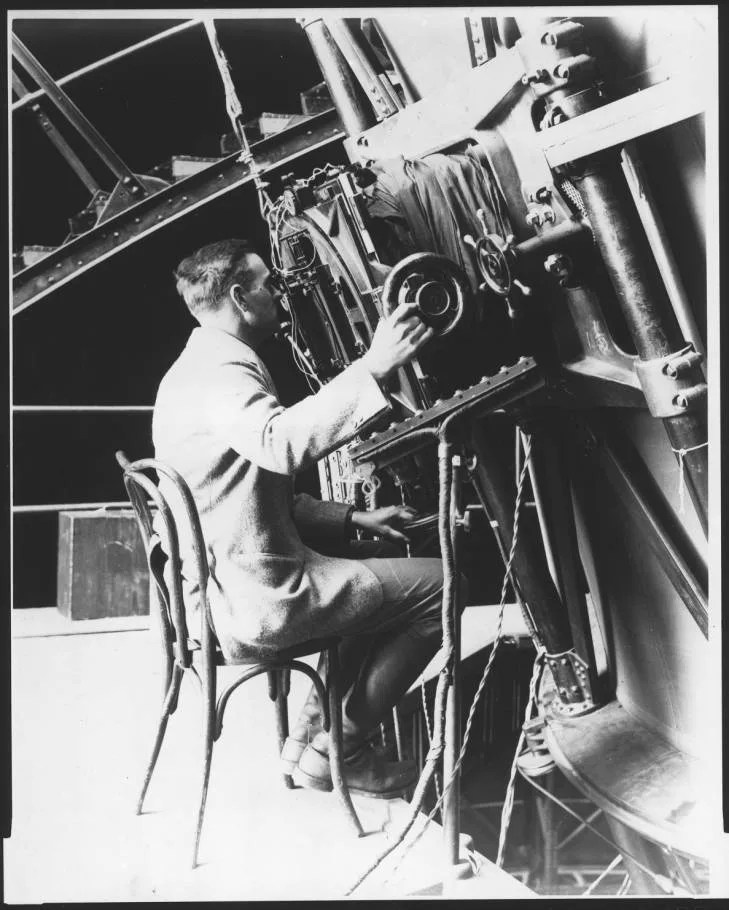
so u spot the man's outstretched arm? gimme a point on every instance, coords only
(286, 440)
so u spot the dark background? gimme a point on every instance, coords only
(107, 337)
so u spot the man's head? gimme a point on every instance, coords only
(228, 285)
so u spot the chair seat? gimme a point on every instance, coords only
(304, 649)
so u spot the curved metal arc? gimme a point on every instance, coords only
(202, 569)
(177, 608)
(259, 669)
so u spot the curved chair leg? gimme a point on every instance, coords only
(278, 690)
(208, 741)
(168, 706)
(335, 740)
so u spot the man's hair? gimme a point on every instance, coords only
(204, 278)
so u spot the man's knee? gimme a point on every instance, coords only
(435, 606)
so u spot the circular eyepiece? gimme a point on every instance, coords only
(433, 300)
(434, 283)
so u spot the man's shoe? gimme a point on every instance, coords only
(292, 751)
(365, 772)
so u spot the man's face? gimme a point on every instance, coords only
(262, 297)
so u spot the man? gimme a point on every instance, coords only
(218, 421)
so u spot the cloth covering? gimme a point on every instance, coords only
(428, 204)
(217, 420)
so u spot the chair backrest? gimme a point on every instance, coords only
(183, 516)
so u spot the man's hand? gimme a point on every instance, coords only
(385, 522)
(398, 337)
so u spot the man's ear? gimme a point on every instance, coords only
(238, 296)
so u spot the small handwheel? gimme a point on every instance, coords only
(435, 283)
(492, 257)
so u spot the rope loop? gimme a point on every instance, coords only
(682, 453)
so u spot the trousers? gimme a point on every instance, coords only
(382, 655)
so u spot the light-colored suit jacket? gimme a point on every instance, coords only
(218, 421)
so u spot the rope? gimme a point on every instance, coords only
(489, 663)
(445, 673)
(235, 114)
(511, 787)
(682, 453)
(429, 730)
(232, 102)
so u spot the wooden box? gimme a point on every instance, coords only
(102, 568)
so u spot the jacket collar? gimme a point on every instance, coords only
(210, 339)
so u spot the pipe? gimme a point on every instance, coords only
(69, 156)
(656, 233)
(644, 304)
(494, 488)
(63, 506)
(81, 408)
(358, 55)
(663, 532)
(77, 119)
(110, 59)
(631, 267)
(350, 100)
(409, 90)
(553, 494)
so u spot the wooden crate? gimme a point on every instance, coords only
(102, 568)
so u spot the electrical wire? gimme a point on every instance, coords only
(508, 806)
(489, 663)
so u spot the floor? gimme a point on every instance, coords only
(84, 712)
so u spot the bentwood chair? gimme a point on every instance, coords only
(202, 656)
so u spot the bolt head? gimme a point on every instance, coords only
(554, 263)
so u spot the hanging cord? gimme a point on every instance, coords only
(445, 674)
(508, 806)
(235, 114)
(682, 453)
(489, 664)
(429, 730)
(663, 882)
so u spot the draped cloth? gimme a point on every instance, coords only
(428, 204)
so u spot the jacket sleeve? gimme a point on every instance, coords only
(316, 518)
(245, 412)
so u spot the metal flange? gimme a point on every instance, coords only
(671, 384)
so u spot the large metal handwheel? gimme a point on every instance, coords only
(495, 260)
(435, 283)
